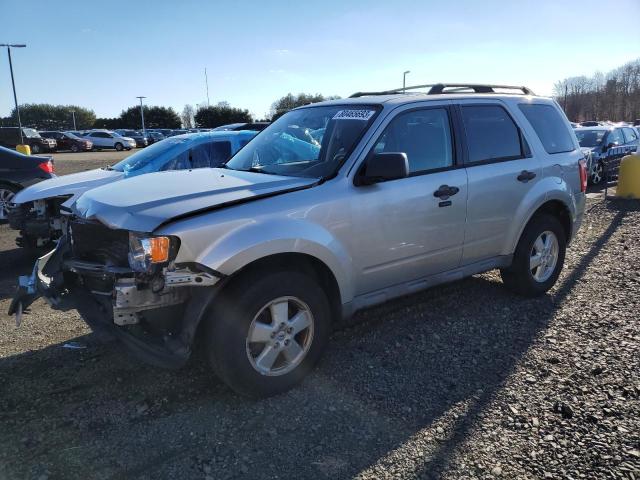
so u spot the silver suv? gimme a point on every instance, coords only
(334, 207)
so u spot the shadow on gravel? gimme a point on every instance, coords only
(465, 423)
(403, 368)
(13, 263)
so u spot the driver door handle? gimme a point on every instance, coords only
(445, 191)
(525, 176)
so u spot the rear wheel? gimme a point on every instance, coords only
(118, 146)
(268, 331)
(7, 192)
(538, 258)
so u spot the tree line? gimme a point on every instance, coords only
(43, 116)
(612, 96)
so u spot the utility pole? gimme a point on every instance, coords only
(144, 132)
(206, 82)
(404, 81)
(73, 114)
(13, 83)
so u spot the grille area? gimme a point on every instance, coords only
(94, 242)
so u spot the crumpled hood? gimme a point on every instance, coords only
(74, 184)
(145, 202)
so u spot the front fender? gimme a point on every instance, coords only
(546, 190)
(252, 241)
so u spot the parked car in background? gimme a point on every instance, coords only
(257, 126)
(590, 123)
(140, 138)
(10, 138)
(154, 137)
(109, 139)
(36, 211)
(167, 132)
(179, 131)
(18, 171)
(597, 141)
(258, 260)
(68, 141)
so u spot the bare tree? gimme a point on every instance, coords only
(187, 116)
(613, 96)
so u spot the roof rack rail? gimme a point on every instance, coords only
(444, 88)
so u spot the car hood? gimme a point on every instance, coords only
(74, 184)
(145, 202)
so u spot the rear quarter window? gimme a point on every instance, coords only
(549, 126)
(491, 134)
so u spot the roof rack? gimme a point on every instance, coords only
(444, 88)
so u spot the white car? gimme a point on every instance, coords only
(108, 139)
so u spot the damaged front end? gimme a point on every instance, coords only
(126, 283)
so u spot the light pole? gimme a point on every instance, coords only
(144, 132)
(73, 114)
(404, 80)
(13, 83)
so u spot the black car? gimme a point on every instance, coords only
(141, 140)
(154, 137)
(68, 141)
(10, 138)
(18, 171)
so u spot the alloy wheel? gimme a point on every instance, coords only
(280, 336)
(6, 196)
(544, 256)
(597, 174)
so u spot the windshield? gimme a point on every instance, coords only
(309, 142)
(590, 138)
(30, 133)
(160, 150)
(71, 135)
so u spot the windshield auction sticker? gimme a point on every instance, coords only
(354, 115)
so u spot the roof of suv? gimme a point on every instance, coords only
(436, 92)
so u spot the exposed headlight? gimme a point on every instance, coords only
(145, 251)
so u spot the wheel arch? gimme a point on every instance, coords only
(301, 262)
(555, 207)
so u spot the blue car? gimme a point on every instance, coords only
(36, 209)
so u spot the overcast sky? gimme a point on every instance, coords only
(101, 55)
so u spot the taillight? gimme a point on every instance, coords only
(582, 166)
(46, 166)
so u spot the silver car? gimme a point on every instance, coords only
(108, 139)
(334, 207)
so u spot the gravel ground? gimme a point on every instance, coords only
(462, 381)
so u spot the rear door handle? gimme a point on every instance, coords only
(525, 176)
(445, 191)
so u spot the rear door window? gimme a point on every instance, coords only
(491, 134)
(549, 126)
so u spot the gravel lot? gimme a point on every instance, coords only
(462, 381)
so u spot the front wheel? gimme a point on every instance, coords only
(268, 332)
(74, 148)
(597, 174)
(118, 147)
(538, 258)
(35, 148)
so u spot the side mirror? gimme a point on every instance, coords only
(610, 145)
(381, 167)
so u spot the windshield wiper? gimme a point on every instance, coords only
(108, 167)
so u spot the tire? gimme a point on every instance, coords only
(118, 146)
(596, 176)
(243, 312)
(7, 192)
(524, 279)
(35, 148)
(74, 148)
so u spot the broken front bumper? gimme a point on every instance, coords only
(113, 299)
